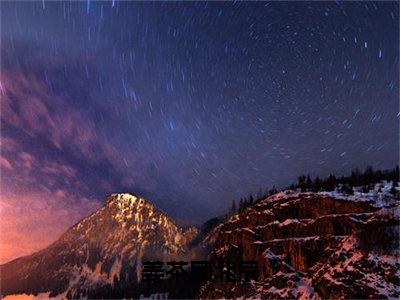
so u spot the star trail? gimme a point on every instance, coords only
(190, 104)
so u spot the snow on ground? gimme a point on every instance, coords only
(380, 195)
(289, 221)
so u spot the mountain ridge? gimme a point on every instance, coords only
(294, 236)
(106, 246)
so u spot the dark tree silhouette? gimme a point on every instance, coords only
(365, 180)
(233, 208)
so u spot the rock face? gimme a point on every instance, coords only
(311, 245)
(101, 251)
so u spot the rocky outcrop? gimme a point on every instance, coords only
(310, 245)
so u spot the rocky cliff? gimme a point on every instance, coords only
(311, 245)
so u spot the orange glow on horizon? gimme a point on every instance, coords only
(29, 223)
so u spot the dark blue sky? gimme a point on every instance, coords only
(192, 104)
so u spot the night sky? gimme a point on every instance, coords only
(189, 104)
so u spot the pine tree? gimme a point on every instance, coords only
(233, 208)
(369, 174)
(347, 189)
(317, 184)
(308, 182)
(302, 181)
(251, 198)
(393, 190)
(273, 190)
(241, 205)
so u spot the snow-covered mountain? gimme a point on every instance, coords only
(103, 250)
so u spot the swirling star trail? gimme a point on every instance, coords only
(190, 104)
